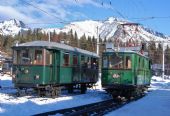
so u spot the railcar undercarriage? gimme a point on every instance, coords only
(129, 92)
(53, 90)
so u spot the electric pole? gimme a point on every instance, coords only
(97, 41)
(49, 39)
(163, 60)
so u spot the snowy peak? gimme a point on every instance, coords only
(13, 22)
(114, 19)
(87, 27)
(12, 27)
(155, 32)
(115, 29)
(112, 28)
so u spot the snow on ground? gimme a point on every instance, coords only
(155, 103)
(29, 105)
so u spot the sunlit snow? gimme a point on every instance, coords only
(155, 103)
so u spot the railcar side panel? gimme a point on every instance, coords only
(134, 70)
(46, 66)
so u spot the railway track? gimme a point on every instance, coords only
(94, 109)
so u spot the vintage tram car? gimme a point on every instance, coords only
(49, 66)
(125, 72)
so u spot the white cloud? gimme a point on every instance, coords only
(8, 12)
(56, 10)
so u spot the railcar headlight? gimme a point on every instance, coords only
(115, 75)
(26, 71)
(37, 77)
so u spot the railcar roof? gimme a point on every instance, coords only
(54, 45)
(128, 51)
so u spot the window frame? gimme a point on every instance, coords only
(66, 62)
(48, 57)
(22, 57)
(119, 66)
(75, 60)
(128, 62)
(37, 62)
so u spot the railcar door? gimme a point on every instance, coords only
(115, 67)
(76, 69)
(54, 66)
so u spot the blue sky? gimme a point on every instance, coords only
(56, 13)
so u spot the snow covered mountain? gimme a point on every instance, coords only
(12, 27)
(112, 28)
(87, 27)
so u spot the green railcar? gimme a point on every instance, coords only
(48, 66)
(125, 73)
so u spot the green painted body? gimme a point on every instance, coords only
(55, 73)
(138, 74)
(44, 72)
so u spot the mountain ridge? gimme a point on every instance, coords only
(112, 28)
(12, 27)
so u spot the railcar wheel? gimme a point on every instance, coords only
(83, 88)
(57, 91)
(19, 91)
(70, 89)
(41, 92)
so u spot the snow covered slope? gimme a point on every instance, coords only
(155, 103)
(112, 28)
(12, 27)
(87, 27)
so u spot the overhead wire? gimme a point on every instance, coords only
(112, 8)
(41, 10)
(149, 18)
(110, 3)
(44, 11)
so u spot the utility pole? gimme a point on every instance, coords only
(49, 39)
(97, 41)
(163, 60)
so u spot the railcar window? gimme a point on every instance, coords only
(75, 59)
(105, 62)
(94, 63)
(48, 57)
(82, 60)
(66, 59)
(115, 61)
(38, 57)
(128, 62)
(25, 59)
(89, 62)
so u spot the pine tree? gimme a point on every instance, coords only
(76, 40)
(89, 44)
(61, 37)
(159, 54)
(70, 38)
(83, 44)
(94, 44)
(152, 51)
(167, 55)
(102, 46)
